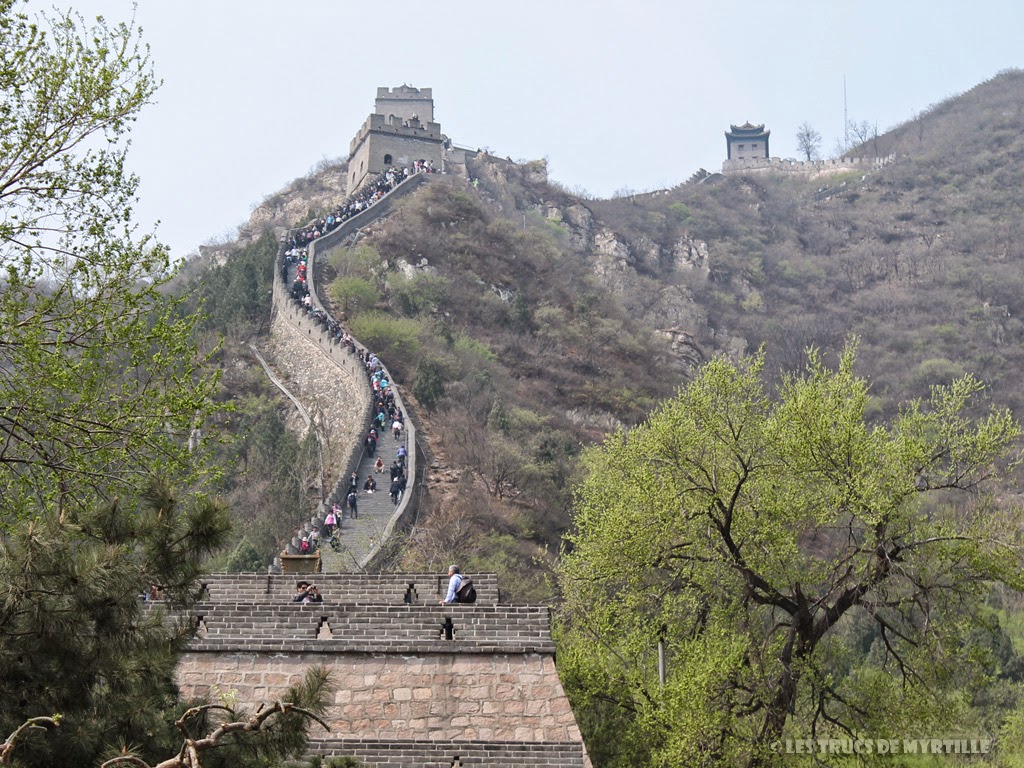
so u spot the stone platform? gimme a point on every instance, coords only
(416, 684)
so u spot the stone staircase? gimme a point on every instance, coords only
(313, 358)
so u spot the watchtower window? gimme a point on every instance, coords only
(387, 160)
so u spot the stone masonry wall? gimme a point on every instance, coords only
(368, 150)
(327, 383)
(337, 628)
(412, 753)
(513, 697)
(806, 167)
(416, 753)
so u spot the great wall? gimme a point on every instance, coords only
(416, 684)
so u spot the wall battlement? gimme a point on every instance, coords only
(361, 628)
(416, 683)
(403, 91)
(809, 167)
(394, 126)
(368, 588)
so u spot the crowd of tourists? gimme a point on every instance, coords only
(364, 198)
(385, 414)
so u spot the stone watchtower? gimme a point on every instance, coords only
(400, 131)
(745, 142)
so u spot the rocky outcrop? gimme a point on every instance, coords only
(318, 191)
(692, 255)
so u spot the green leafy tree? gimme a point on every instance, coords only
(428, 386)
(807, 573)
(354, 294)
(100, 383)
(396, 340)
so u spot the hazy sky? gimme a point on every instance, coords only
(625, 94)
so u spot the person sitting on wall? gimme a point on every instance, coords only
(153, 593)
(379, 466)
(313, 596)
(454, 582)
(370, 485)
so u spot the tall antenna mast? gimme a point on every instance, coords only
(846, 120)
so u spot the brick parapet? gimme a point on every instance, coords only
(380, 588)
(808, 167)
(370, 628)
(394, 125)
(409, 753)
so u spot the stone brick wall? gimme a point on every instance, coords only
(342, 628)
(326, 380)
(405, 145)
(415, 683)
(807, 167)
(405, 102)
(330, 380)
(386, 697)
(411, 753)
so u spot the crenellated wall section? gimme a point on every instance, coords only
(416, 683)
(805, 167)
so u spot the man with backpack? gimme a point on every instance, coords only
(460, 588)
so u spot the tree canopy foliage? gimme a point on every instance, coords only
(99, 377)
(75, 639)
(809, 573)
(101, 384)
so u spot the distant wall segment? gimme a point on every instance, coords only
(806, 167)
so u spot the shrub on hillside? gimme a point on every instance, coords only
(354, 294)
(428, 387)
(396, 340)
